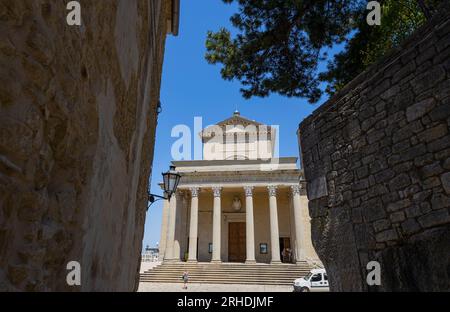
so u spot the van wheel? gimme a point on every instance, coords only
(304, 289)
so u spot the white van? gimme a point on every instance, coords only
(316, 280)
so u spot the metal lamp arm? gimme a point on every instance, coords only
(152, 198)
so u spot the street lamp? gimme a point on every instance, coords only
(171, 179)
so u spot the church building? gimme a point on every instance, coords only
(238, 204)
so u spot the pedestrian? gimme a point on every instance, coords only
(289, 255)
(284, 255)
(185, 279)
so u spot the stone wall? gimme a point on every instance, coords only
(377, 160)
(77, 125)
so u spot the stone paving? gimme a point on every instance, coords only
(197, 287)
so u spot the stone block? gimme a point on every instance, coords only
(443, 30)
(373, 210)
(428, 79)
(401, 146)
(421, 196)
(425, 208)
(409, 56)
(377, 190)
(398, 205)
(355, 202)
(443, 44)
(342, 163)
(380, 88)
(317, 188)
(432, 169)
(439, 144)
(440, 112)
(384, 175)
(433, 133)
(410, 226)
(403, 167)
(362, 172)
(414, 152)
(446, 164)
(381, 225)
(445, 180)
(413, 211)
(388, 235)
(352, 130)
(404, 72)
(394, 159)
(443, 154)
(434, 218)
(364, 236)
(399, 182)
(407, 131)
(439, 201)
(418, 110)
(430, 183)
(397, 217)
(357, 215)
(360, 185)
(426, 55)
(410, 191)
(375, 136)
(17, 274)
(378, 165)
(423, 160)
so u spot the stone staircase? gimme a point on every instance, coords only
(227, 273)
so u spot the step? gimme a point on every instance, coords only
(226, 273)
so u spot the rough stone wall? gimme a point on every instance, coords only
(77, 125)
(377, 160)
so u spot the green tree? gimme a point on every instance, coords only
(280, 43)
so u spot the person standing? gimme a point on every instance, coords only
(185, 279)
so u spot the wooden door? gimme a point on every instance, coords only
(236, 242)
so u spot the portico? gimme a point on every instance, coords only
(237, 210)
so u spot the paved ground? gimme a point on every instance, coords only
(194, 287)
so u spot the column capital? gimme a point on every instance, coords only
(194, 191)
(217, 190)
(248, 190)
(272, 190)
(296, 189)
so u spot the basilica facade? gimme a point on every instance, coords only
(238, 204)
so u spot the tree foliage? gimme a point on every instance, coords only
(279, 43)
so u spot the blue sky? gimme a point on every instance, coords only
(193, 88)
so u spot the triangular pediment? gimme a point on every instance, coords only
(236, 124)
(238, 120)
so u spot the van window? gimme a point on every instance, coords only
(325, 276)
(316, 278)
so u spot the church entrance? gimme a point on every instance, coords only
(236, 242)
(285, 250)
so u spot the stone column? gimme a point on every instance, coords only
(217, 219)
(249, 225)
(164, 230)
(299, 224)
(193, 227)
(171, 251)
(274, 234)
